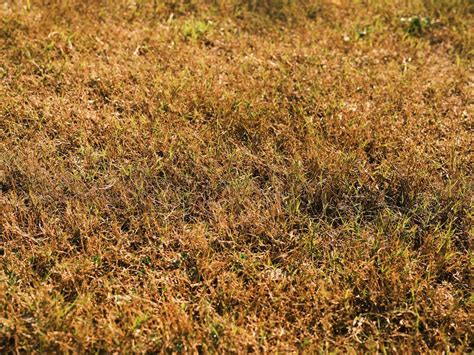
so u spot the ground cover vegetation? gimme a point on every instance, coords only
(236, 176)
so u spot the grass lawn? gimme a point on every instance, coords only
(235, 176)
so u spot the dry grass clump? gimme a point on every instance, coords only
(236, 176)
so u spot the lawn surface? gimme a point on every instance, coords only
(236, 176)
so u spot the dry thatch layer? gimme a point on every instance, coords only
(235, 176)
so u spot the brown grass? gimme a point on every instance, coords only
(236, 176)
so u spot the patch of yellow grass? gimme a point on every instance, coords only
(235, 176)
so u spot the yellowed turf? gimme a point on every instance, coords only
(236, 176)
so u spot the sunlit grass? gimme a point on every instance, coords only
(235, 176)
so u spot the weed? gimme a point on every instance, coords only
(416, 25)
(196, 29)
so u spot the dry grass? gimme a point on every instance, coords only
(236, 176)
